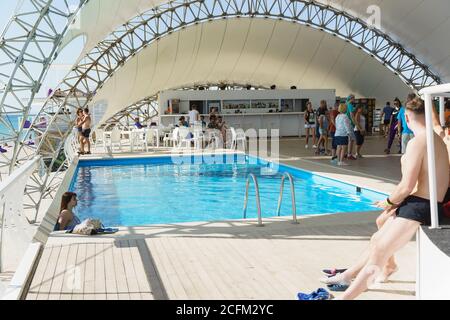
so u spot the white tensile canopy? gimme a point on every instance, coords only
(266, 52)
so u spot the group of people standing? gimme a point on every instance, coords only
(395, 125)
(406, 209)
(345, 124)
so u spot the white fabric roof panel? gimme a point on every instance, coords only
(267, 51)
(419, 25)
(317, 61)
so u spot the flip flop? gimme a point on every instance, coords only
(340, 287)
(3, 150)
(319, 295)
(333, 272)
(107, 231)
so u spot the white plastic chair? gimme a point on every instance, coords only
(238, 137)
(115, 138)
(198, 139)
(184, 133)
(214, 138)
(99, 137)
(172, 138)
(151, 139)
(138, 139)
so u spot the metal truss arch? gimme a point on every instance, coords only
(84, 81)
(109, 55)
(146, 110)
(28, 46)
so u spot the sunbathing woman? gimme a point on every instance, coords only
(67, 220)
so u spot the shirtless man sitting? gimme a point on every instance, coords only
(86, 132)
(405, 210)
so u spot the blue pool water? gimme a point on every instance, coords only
(155, 191)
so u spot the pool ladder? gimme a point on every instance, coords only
(294, 202)
(258, 198)
(253, 178)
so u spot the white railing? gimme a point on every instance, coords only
(16, 232)
(71, 146)
(440, 91)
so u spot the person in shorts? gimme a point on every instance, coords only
(323, 126)
(344, 132)
(386, 119)
(86, 132)
(360, 130)
(406, 133)
(310, 125)
(333, 115)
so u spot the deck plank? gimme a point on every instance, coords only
(169, 277)
(182, 263)
(110, 272)
(122, 286)
(31, 296)
(180, 273)
(236, 268)
(207, 256)
(58, 280)
(152, 272)
(69, 273)
(139, 271)
(209, 289)
(80, 272)
(89, 279)
(47, 280)
(100, 277)
(130, 275)
(40, 271)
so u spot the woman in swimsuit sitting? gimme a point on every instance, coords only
(67, 220)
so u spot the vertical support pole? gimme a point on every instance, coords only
(2, 230)
(419, 267)
(442, 111)
(431, 162)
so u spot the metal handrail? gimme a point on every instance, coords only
(258, 199)
(280, 200)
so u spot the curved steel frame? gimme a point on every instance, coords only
(80, 86)
(28, 47)
(146, 108)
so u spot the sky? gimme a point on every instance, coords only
(8, 7)
(61, 66)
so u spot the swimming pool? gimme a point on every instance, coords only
(145, 191)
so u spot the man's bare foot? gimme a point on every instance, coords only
(386, 274)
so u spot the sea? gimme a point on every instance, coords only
(14, 119)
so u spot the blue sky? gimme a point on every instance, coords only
(8, 7)
(65, 58)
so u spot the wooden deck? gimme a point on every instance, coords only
(223, 260)
(227, 260)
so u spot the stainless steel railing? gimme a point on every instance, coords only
(280, 200)
(258, 199)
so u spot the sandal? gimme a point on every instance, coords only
(339, 287)
(333, 272)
